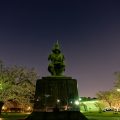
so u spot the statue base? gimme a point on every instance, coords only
(56, 92)
(55, 98)
(65, 115)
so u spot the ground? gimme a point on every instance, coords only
(90, 116)
(13, 116)
(102, 116)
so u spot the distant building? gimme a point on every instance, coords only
(14, 106)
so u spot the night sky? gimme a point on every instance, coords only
(88, 32)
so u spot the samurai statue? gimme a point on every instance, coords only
(56, 66)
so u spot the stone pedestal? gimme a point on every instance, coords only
(52, 92)
(54, 100)
(64, 115)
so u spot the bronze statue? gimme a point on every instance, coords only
(57, 66)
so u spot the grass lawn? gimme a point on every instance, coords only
(13, 116)
(102, 116)
(89, 115)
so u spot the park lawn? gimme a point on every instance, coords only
(103, 114)
(14, 116)
(17, 116)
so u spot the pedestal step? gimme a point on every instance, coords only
(66, 115)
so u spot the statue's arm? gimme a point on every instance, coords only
(63, 57)
(49, 57)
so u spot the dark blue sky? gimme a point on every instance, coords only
(88, 31)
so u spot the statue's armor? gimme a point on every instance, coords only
(57, 66)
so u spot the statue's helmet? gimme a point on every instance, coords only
(56, 47)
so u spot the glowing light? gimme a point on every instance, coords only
(29, 108)
(118, 90)
(77, 102)
(1, 86)
(80, 99)
(4, 107)
(58, 100)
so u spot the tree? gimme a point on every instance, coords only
(17, 83)
(84, 106)
(117, 81)
(100, 105)
(116, 100)
(106, 96)
(112, 98)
